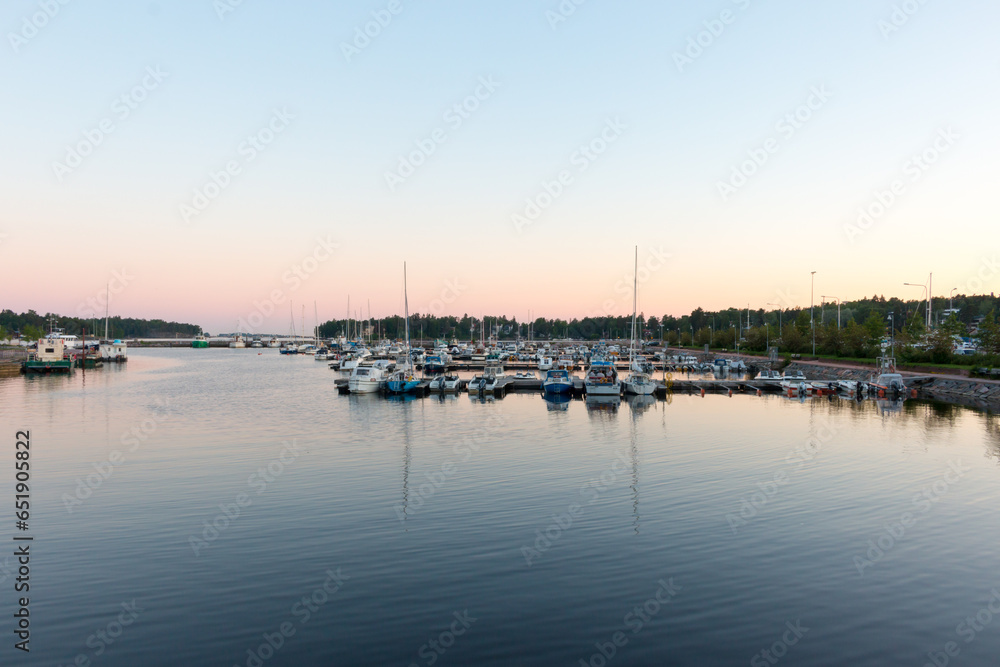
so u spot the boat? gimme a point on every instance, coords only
(639, 382)
(199, 341)
(239, 342)
(885, 381)
(403, 381)
(49, 357)
(848, 386)
(565, 362)
(322, 354)
(557, 381)
(602, 379)
(544, 362)
(436, 363)
(366, 379)
(489, 381)
(769, 376)
(274, 342)
(116, 351)
(446, 382)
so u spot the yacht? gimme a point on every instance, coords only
(366, 379)
(239, 342)
(602, 379)
(557, 381)
(492, 378)
(769, 376)
(639, 382)
(544, 362)
(446, 382)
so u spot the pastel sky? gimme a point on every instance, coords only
(213, 153)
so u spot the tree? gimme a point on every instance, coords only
(31, 332)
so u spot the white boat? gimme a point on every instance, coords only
(638, 382)
(116, 351)
(565, 362)
(307, 348)
(769, 376)
(492, 378)
(239, 342)
(886, 380)
(446, 382)
(366, 379)
(848, 386)
(544, 362)
(274, 342)
(602, 379)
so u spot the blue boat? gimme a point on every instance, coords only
(557, 381)
(435, 363)
(403, 381)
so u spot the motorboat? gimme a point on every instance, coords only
(492, 378)
(544, 362)
(366, 379)
(602, 379)
(557, 381)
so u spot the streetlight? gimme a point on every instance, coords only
(812, 300)
(925, 296)
(838, 307)
(779, 316)
(951, 299)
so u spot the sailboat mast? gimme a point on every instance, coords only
(107, 304)
(635, 285)
(406, 310)
(316, 330)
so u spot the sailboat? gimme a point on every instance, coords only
(638, 383)
(109, 350)
(403, 381)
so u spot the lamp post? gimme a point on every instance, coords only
(779, 316)
(812, 300)
(951, 299)
(838, 307)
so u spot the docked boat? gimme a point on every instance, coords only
(403, 380)
(115, 351)
(490, 380)
(199, 341)
(446, 382)
(239, 342)
(769, 376)
(436, 363)
(602, 379)
(639, 382)
(544, 362)
(565, 362)
(49, 357)
(557, 381)
(274, 342)
(886, 382)
(848, 386)
(366, 379)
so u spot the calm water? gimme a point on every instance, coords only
(458, 532)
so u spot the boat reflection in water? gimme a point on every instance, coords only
(557, 402)
(640, 404)
(888, 406)
(602, 404)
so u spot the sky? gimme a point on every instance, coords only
(222, 162)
